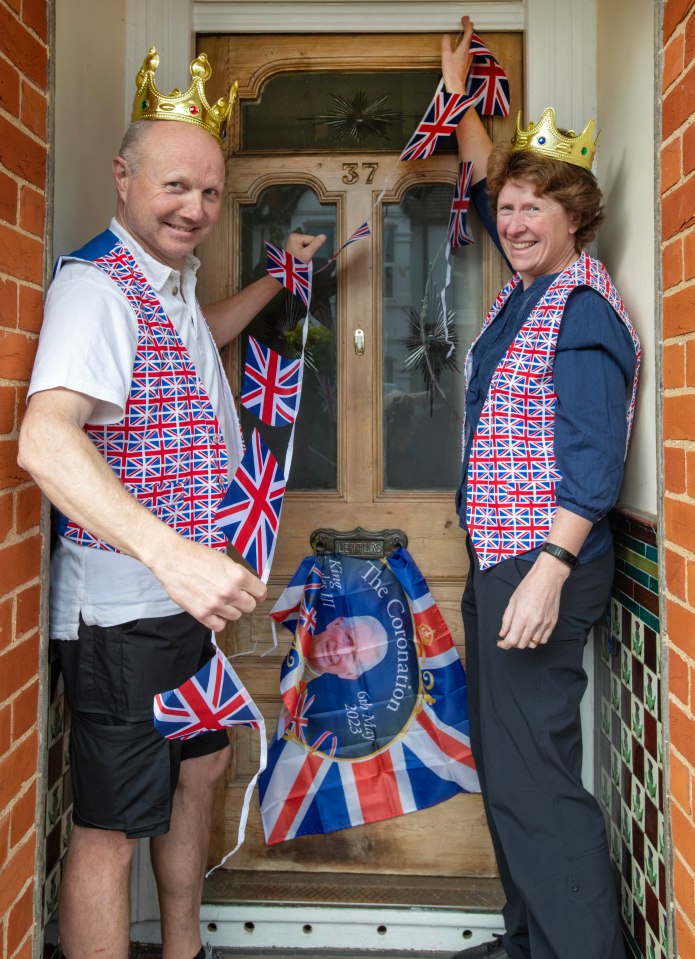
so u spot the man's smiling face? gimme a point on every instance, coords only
(170, 189)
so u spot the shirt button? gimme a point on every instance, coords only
(175, 290)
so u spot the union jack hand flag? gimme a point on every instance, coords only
(458, 234)
(488, 85)
(294, 275)
(272, 384)
(440, 120)
(249, 514)
(215, 698)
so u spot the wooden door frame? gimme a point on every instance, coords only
(559, 49)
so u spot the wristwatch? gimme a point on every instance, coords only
(560, 553)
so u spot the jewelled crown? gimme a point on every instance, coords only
(189, 107)
(545, 138)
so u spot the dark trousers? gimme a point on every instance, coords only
(548, 832)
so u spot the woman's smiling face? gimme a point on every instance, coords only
(536, 232)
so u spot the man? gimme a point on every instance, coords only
(348, 646)
(131, 433)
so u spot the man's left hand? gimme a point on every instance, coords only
(304, 246)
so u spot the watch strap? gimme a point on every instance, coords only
(561, 553)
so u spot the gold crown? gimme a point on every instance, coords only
(545, 138)
(189, 107)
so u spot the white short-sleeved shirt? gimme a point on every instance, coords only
(88, 343)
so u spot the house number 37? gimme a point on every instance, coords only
(352, 172)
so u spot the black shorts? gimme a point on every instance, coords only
(124, 773)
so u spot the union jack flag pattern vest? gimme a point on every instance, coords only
(511, 471)
(168, 450)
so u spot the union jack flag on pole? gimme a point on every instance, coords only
(294, 275)
(393, 739)
(440, 120)
(458, 234)
(249, 514)
(272, 384)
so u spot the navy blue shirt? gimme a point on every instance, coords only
(592, 375)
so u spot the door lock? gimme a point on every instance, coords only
(359, 342)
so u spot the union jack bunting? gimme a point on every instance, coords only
(458, 234)
(272, 384)
(294, 275)
(440, 120)
(360, 232)
(215, 698)
(249, 514)
(352, 751)
(488, 86)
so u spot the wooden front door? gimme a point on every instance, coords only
(315, 148)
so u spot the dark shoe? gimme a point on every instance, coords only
(486, 950)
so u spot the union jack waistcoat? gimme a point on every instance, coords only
(512, 473)
(168, 450)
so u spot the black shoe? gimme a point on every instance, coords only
(486, 950)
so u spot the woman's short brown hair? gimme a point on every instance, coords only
(572, 186)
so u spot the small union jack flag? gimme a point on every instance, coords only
(294, 275)
(360, 232)
(357, 235)
(272, 385)
(440, 120)
(215, 698)
(458, 234)
(488, 85)
(249, 514)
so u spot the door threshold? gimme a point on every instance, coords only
(244, 929)
(257, 914)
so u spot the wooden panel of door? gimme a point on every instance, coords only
(452, 838)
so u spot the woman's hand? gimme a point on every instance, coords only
(457, 58)
(532, 611)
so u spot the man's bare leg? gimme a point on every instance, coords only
(179, 857)
(94, 907)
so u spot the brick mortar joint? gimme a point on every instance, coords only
(30, 30)
(16, 122)
(679, 550)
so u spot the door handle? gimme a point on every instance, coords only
(359, 342)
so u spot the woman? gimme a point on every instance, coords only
(549, 401)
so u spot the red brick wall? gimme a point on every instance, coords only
(23, 151)
(678, 265)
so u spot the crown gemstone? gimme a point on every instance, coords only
(144, 105)
(193, 109)
(584, 151)
(541, 140)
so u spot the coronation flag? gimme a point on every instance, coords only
(249, 514)
(458, 234)
(294, 275)
(272, 384)
(352, 749)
